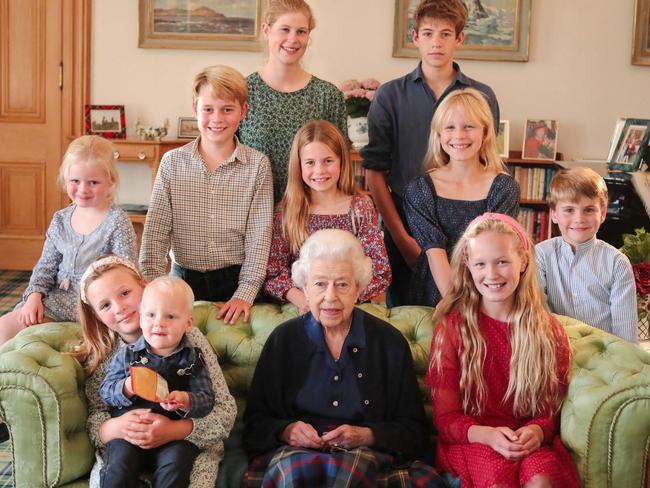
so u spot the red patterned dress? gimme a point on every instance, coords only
(361, 220)
(479, 465)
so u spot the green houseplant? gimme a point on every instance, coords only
(637, 248)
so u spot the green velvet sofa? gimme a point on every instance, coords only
(605, 419)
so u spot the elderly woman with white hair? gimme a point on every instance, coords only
(334, 399)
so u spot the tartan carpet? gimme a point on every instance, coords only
(6, 480)
(12, 286)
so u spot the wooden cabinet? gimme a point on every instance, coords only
(149, 152)
(534, 178)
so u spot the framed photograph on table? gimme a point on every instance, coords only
(496, 30)
(640, 35)
(629, 148)
(106, 121)
(503, 138)
(206, 24)
(187, 128)
(540, 140)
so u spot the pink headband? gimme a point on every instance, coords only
(519, 230)
(105, 261)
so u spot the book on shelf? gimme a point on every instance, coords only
(536, 222)
(533, 181)
(360, 175)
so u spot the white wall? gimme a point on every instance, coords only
(578, 72)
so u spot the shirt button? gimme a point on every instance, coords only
(336, 378)
(359, 375)
(354, 349)
(336, 403)
(366, 402)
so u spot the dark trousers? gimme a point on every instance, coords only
(170, 464)
(215, 286)
(398, 291)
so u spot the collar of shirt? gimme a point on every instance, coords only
(356, 336)
(581, 249)
(459, 77)
(196, 155)
(141, 344)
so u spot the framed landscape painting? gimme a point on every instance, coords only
(641, 37)
(105, 120)
(496, 30)
(201, 24)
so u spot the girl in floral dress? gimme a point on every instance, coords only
(499, 366)
(321, 194)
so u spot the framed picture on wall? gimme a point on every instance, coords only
(641, 37)
(201, 24)
(496, 30)
(106, 121)
(503, 138)
(540, 140)
(629, 148)
(187, 128)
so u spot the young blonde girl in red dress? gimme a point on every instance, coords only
(499, 366)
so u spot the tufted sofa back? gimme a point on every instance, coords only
(605, 417)
(238, 347)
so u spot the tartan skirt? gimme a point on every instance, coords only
(292, 467)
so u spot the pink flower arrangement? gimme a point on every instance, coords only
(358, 95)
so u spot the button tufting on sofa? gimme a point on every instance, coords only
(605, 419)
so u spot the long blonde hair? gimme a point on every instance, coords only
(533, 383)
(97, 338)
(295, 201)
(473, 104)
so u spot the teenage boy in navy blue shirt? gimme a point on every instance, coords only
(399, 123)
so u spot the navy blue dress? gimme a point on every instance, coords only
(438, 223)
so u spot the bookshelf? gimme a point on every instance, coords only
(359, 171)
(534, 177)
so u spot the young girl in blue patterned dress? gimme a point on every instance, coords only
(465, 178)
(282, 96)
(321, 194)
(90, 227)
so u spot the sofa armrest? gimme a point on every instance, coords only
(606, 416)
(43, 403)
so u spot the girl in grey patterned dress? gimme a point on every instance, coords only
(90, 227)
(282, 96)
(465, 178)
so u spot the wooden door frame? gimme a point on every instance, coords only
(76, 54)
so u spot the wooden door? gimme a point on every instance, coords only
(30, 126)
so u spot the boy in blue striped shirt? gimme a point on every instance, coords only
(582, 276)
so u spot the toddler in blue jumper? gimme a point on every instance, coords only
(165, 317)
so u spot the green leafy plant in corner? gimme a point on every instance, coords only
(637, 246)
